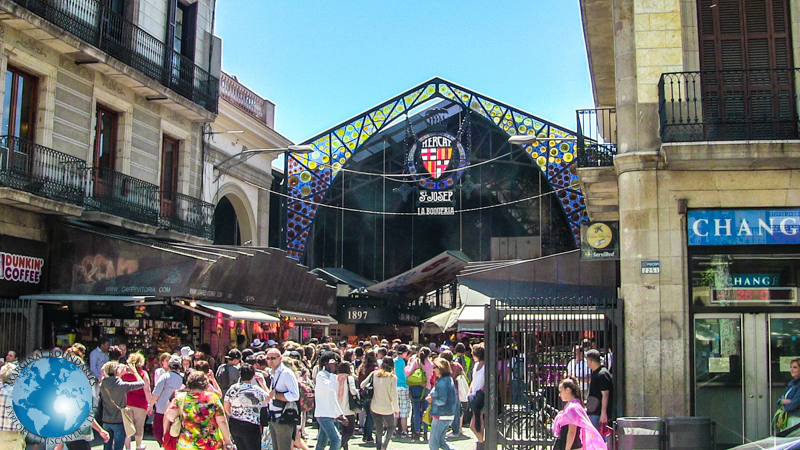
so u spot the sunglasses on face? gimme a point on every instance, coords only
(271, 358)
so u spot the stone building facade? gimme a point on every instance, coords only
(697, 99)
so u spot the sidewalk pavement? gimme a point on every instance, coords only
(467, 442)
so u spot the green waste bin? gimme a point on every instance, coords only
(638, 433)
(689, 433)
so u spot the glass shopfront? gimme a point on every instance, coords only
(744, 267)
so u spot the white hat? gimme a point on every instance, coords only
(271, 343)
(257, 343)
(186, 351)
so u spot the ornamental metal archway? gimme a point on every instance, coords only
(309, 176)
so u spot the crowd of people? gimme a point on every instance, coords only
(263, 394)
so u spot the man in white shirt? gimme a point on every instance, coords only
(327, 407)
(98, 357)
(283, 389)
(580, 370)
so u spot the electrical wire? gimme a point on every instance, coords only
(366, 211)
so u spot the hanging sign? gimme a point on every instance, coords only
(436, 161)
(599, 240)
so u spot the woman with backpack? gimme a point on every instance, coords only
(419, 373)
(369, 365)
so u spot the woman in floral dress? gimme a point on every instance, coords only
(204, 426)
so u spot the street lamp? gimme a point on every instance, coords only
(229, 163)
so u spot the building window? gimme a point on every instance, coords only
(105, 138)
(19, 105)
(169, 174)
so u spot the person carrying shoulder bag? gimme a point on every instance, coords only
(113, 397)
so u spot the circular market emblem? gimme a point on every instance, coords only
(53, 396)
(437, 161)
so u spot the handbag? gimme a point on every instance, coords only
(592, 405)
(127, 415)
(780, 418)
(463, 388)
(476, 401)
(177, 424)
(354, 401)
(290, 415)
(417, 378)
(368, 391)
(427, 418)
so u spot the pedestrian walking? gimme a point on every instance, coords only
(444, 403)
(572, 425)
(384, 407)
(328, 410)
(243, 403)
(347, 390)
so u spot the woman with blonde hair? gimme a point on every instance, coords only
(113, 398)
(138, 399)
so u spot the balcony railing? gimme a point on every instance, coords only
(41, 171)
(115, 193)
(597, 137)
(99, 26)
(185, 214)
(247, 100)
(728, 105)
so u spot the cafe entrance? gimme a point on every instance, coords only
(741, 368)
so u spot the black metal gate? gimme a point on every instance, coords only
(20, 326)
(529, 344)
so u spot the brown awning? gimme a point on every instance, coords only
(88, 261)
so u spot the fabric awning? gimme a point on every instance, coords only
(87, 297)
(238, 312)
(308, 319)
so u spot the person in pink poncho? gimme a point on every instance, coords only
(572, 425)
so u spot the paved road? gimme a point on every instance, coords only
(465, 443)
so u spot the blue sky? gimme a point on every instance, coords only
(323, 62)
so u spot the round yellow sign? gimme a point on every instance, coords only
(599, 235)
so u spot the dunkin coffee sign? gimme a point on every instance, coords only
(20, 268)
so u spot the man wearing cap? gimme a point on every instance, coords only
(283, 389)
(272, 344)
(228, 373)
(166, 385)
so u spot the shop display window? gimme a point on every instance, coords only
(730, 280)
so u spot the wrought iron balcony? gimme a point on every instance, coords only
(246, 100)
(41, 171)
(185, 214)
(115, 193)
(597, 137)
(728, 105)
(98, 25)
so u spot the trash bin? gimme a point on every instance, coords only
(689, 433)
(638, 433)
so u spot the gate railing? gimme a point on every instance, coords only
(19, 326)
(728, 105)
(529, 344)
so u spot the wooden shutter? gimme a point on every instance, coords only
(739, 38)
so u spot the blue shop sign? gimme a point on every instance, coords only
(744, 226)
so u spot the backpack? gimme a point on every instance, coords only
(227, 376)
(417, 378)
(307, 400)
